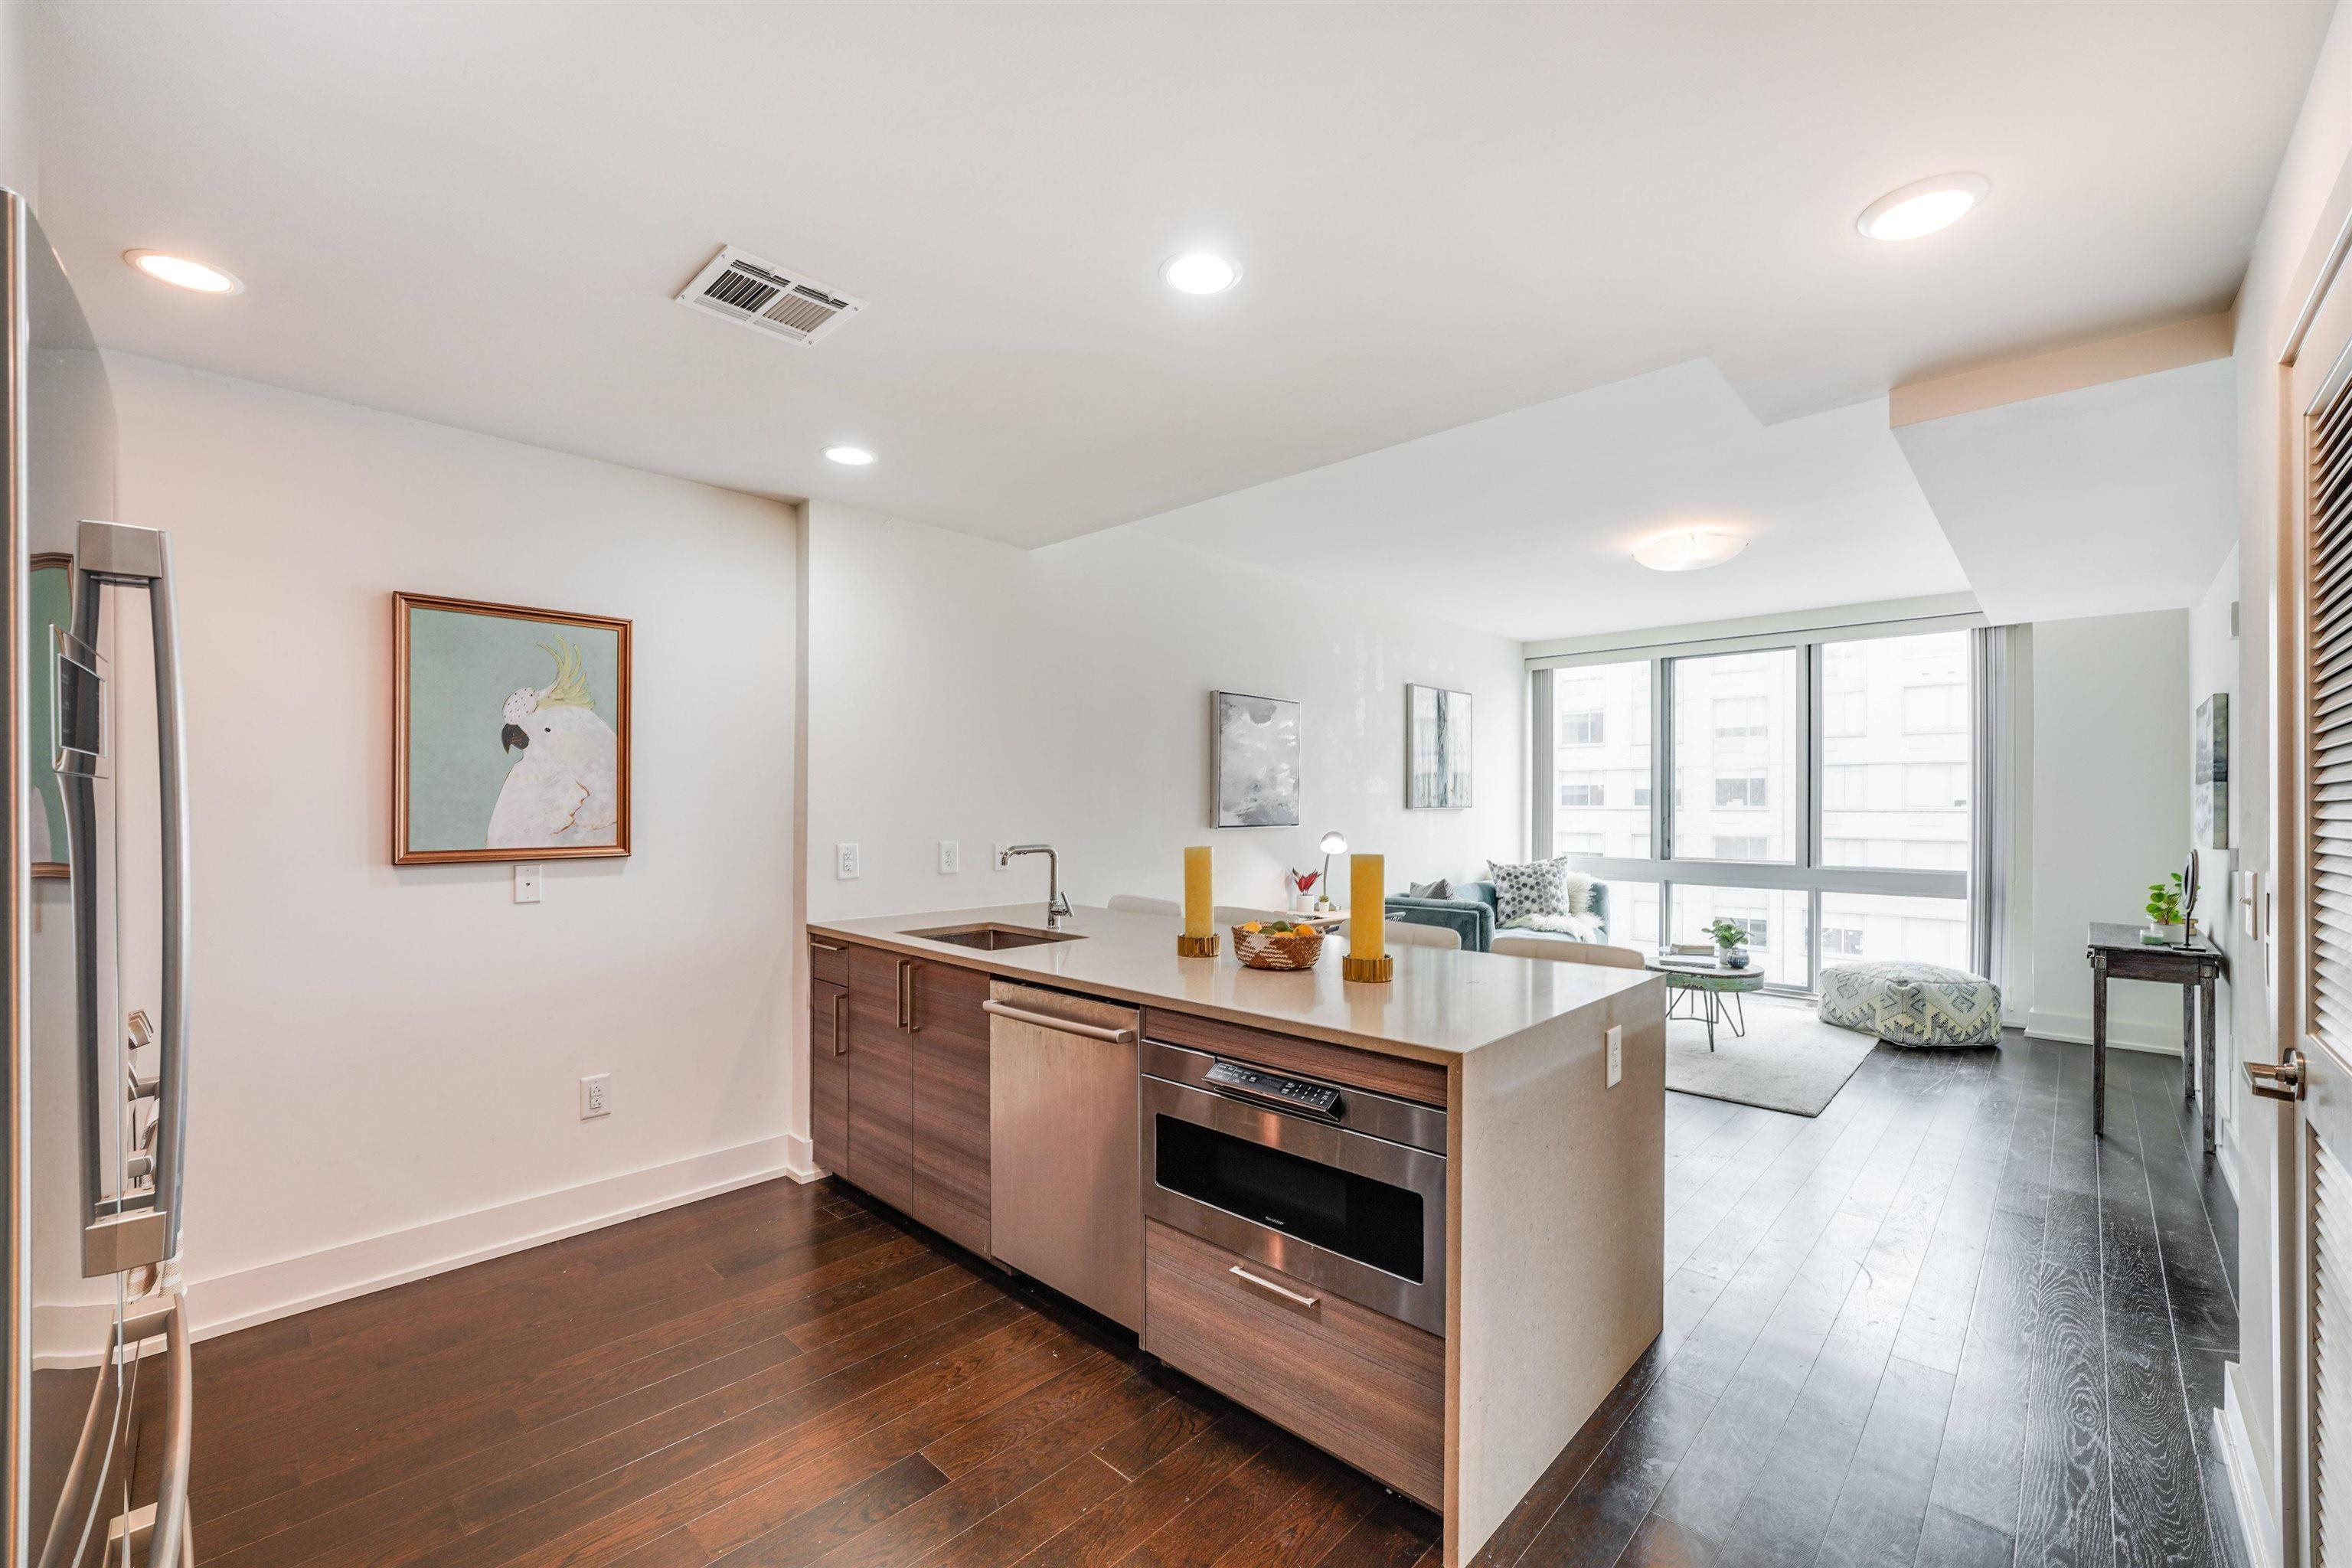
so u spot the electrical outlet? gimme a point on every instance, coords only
(1616, 1054)
(844, 862)
(996, 856)
(595, 1095)
(526, 884)
(950, 857)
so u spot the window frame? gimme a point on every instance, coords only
(1806, 872)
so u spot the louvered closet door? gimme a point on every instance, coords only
(2313, 952)
(2331, 1348)
(2330, 849)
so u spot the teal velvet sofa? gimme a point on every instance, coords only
(1470, 914)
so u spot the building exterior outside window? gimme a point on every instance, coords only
(1886, 722)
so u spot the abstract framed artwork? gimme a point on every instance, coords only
(1255, 747)
(510, 732)
(2210, 774)
(1437, 749)
(50, 600)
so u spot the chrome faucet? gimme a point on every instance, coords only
(1058, 908)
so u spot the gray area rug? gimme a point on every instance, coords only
(1788, 1060)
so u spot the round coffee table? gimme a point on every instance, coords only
(1713, 990)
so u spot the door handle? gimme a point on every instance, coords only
(840, 1047)
(2277, 1081)
(914, 997)
(824, 946)
(905, 992)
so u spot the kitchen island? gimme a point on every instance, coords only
(1552, 1167)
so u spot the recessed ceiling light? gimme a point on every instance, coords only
(1200, 272)
(853, 457)
(181, 273)
(1688, 549)
(1923, 207)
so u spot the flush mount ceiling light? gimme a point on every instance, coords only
(1923, 207)
(181, 273)
(850, 457)
(1200, 272)
(1688, 549)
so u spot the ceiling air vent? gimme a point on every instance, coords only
(767, 298)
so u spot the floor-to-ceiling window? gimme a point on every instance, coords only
(1813, 792)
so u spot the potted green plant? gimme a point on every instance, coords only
(2164, 923)
(1729, 943)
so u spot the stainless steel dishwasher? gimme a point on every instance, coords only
(1065, 1156)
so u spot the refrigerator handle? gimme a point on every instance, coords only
(172, 1036)
(173, 1543)
(120, 1236)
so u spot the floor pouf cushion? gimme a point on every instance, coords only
(1912, 1003)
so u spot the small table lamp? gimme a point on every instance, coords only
(1334, 843)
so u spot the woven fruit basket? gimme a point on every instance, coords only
(1277, 944)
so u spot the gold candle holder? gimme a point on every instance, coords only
(1198, 946)
(1376, 970)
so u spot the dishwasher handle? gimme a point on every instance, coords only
(1064, 1025)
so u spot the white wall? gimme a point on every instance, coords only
(386, 1059)
(20, 171)
(2315, 158)
(2213, 668)
(2110, 810)
(963, 690)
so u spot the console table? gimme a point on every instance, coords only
(2116, 953)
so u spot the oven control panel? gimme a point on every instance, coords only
(1315, 1098)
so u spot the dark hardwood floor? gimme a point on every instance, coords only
(1935, 1324)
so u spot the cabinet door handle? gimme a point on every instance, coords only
(840, 1044)
(906, 985)
(914, 997)
(824, 946)
(1306, 1304)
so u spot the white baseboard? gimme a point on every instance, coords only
(799, 1160)
(2256, 1517)
(222, 1303)
(2075, 1029)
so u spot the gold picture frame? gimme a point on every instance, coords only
(459, 685)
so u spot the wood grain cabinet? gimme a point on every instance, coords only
(881, 1077)
(908, 1068)
(1367, 1388)
(951, 1123)
(829, 1074)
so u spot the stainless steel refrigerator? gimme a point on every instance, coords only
(93, 824)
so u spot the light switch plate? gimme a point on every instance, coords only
(950, 857)
(595, 1095)
(526, 884)
(1616, 1054)
(844, 862)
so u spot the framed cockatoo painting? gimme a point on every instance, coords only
(510, 732)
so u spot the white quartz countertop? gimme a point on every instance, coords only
(1441, 1005)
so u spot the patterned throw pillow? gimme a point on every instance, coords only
(1537, 888)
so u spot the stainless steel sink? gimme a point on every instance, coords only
(991, 938)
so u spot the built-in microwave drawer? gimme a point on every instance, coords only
(1364, 1387)
(828, 960)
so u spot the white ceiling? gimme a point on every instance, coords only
(2104, 499)
(478, 215)
(1523, 524)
